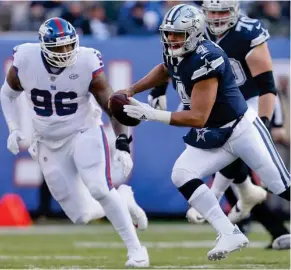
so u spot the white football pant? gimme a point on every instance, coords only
(78, 172)
(251, 142)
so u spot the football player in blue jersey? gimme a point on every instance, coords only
(252, 66)
(223, 128)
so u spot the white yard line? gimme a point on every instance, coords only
(106, 228)
(164, 245)
(57, 257)
(211, 266)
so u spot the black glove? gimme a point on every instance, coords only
(266, 122)
(157, 97)
(159, 90)
(122, 143)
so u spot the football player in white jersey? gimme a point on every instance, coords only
(57, 77)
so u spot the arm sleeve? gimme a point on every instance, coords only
(252, 34)
(211, 65)
(9, 106)
(96, 63)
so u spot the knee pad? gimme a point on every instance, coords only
(286, 194)
(189, 188)
(237, 170)
(181, 176)
(98, 190)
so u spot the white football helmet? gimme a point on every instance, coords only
(185, 19)
(57, 32)
(220, 25)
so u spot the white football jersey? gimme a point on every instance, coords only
(59, 102)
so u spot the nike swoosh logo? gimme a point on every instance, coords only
(139, 261)
(259, 26)
(202, 57)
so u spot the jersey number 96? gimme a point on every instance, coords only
(43, 102)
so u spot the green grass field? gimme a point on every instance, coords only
(170, 245)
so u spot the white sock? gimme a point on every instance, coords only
(205, 202)
(97, 211)
(126, 194)
(244, 188)
(220, 185)
(117, 212)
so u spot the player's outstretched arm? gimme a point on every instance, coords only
(10, 90)
(157, 76)
(202, 100)
(260, 64)
(102, 91)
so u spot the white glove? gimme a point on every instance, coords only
(13, 141)
(125, 159)
(143, 111)
(159, 103)
(194, 216)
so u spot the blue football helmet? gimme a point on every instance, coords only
(57, 32)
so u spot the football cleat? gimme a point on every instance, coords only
(282, 242)
(227, 243)
(246, 203)
(138, 258)
(193, 216)
(138, 216)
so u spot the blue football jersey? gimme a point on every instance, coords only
(237, 43)
(208, 61)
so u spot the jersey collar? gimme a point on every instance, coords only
(48, 67)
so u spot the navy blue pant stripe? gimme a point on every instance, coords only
(266, 132)
(270, 152)
(273, 151)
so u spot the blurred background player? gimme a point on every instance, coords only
(67, 142)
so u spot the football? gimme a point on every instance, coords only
(116, 103)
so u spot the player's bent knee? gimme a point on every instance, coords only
(181, 176)
(83, 220)
(56, 183)
(98, 192)
(236, 170)
(189, 188)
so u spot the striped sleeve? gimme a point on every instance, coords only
(96, 63)
(210, 66)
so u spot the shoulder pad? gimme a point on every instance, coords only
(208, 60)
(252, 31)
(92, 59)
(22, 52)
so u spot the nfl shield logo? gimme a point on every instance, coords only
(53, 78)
